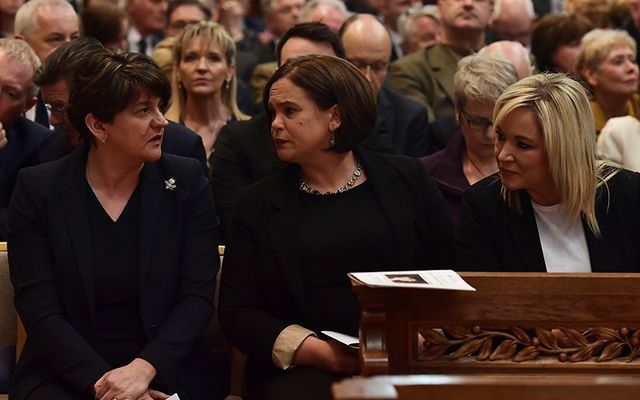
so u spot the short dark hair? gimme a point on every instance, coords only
(553, 31)
(330, 81)
(179, 3)
(102, 21)
(313, 31)
(65, 60)
(109, 82)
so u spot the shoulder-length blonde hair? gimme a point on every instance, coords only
(564, 114)
(210, 32)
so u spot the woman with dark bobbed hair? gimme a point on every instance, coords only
(554, 207)
(334, 209)
(114, 250)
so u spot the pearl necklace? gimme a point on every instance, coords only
(304, 186)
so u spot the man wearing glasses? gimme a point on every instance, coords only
(367, 45)
(53, 82)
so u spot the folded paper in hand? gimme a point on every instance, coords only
(436, 279)
(347, 340)
(174, 397)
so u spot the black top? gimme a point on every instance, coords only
(119, 336)
(335, 236)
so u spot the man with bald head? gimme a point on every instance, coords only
(367, 45)
(513, 20)
(514, 52)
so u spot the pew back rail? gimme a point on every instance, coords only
(514, 322)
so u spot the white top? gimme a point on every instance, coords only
(564, 245)
(619, 141)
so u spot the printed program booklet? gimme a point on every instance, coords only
(445, 279)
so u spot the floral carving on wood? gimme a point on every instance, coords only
(516, 344)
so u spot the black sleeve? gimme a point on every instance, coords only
(475, 250)
(36, 292)
(242, 309)
(229, 175)
(440, 229)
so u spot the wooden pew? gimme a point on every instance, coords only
(7, 310)
(516, 323)
(495, 387)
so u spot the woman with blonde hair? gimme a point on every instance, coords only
(204, 88)
(553, 207)
(607, 63)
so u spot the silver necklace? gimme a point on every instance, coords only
(304, 186)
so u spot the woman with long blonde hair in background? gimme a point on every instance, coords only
(204, 93)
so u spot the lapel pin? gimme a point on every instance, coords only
(170, 184)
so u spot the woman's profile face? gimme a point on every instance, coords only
(617, 74)
(522, 156)
(203, 70)
(300, 129)
(476, 123)
(137, 130)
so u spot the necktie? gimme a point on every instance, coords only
(42, 117)
(142, 46)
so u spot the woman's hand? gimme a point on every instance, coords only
(126, 383)
(330, 356)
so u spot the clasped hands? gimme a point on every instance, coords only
(130, 382)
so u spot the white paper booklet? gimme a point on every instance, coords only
(174, 397)
(347, 340)
(436, 279)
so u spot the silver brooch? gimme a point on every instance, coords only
(170, 184)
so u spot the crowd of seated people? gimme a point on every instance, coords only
(313, 138)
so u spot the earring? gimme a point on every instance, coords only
(332, 139)
(227, 84)
(104, 139)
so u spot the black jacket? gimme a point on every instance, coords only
(494, 237)
(49, 256)
(261, 289)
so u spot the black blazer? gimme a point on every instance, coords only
(49, 256)
(25, 138)
(494, 237)
(261, 288)
(407, 122)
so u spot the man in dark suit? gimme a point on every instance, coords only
(148, 19)
(18, 63)
(367, 45)
(37, 22)
(244, 153)
(53, 80)
(427, 75)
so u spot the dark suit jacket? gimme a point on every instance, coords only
(494, 237)
(261, 289)
(50, 243)
(178, 140)
(25, 138)
(244, 154)
(407, 122)
(427, 77)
